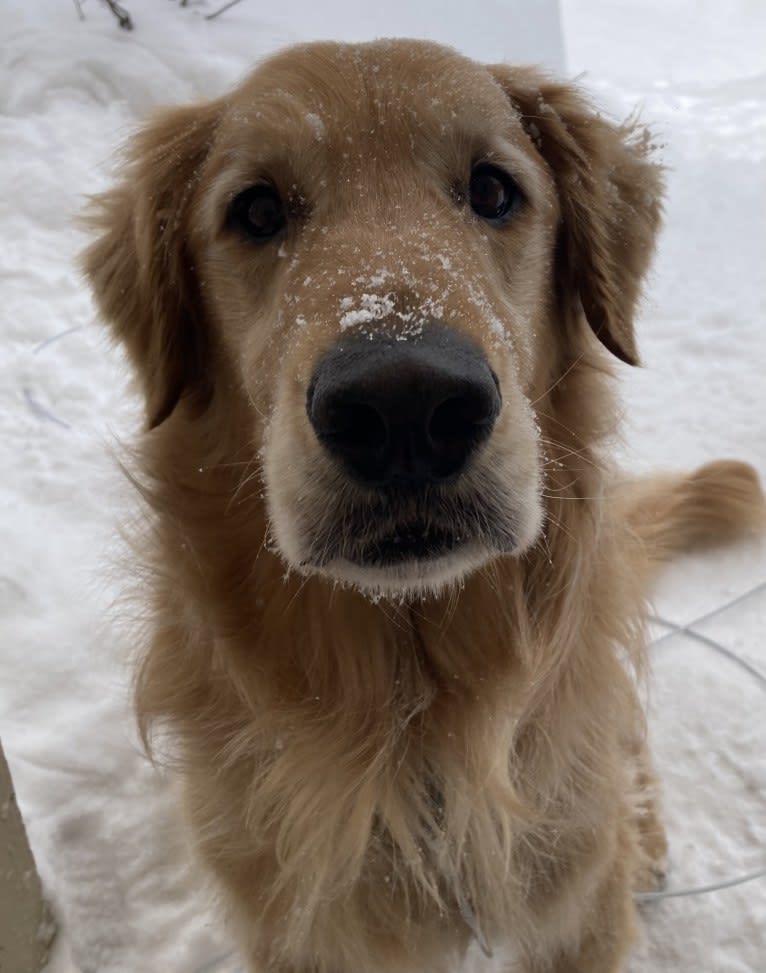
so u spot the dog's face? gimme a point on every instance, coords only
(383, 247)
(380, 268)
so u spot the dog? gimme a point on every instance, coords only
(397, 589)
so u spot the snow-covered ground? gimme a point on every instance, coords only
(100, 819)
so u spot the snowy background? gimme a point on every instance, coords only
(100, 820)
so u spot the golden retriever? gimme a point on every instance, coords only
(397, 590)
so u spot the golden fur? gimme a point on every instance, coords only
(377, 770)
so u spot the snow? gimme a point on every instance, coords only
(317, 125)
(101, 820)
(373, 307)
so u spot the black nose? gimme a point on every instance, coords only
(409, 410)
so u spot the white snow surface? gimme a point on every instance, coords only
(101, 821)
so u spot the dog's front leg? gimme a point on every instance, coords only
(609, 930)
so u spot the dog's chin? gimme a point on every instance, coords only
(408, 577)
(411, 547)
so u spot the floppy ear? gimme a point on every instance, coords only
(610, 195)
(141, 266)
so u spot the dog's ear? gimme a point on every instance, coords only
(141, 265)
(610, 195)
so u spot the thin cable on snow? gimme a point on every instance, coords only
(760, 679)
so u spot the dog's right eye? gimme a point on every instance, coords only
(258, 212)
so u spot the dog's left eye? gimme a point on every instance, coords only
(258, 212)
(493, 194)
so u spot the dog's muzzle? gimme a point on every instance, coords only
(402, 415)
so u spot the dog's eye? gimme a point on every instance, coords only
(493, 194)
(258, 212)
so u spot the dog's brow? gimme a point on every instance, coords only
(521, 161)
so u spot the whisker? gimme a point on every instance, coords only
(560, 379)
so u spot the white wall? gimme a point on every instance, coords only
(492, 30)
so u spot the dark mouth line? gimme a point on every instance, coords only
(384, 530)
(409, 542)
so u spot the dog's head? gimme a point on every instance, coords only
(388, 253)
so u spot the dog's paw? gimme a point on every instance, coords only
(651, 877)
